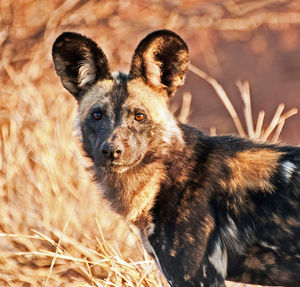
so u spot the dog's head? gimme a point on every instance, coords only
(124, 119)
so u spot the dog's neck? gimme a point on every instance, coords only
(132, 193)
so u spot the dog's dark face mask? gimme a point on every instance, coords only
(124, 119)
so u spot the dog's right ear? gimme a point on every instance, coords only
(79, 62)
(161, 60)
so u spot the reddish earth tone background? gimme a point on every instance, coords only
(268, 59)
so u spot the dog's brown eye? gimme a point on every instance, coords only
(97, 115)
(139, 117)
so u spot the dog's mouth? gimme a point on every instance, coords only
(115, 168)
(118, 167)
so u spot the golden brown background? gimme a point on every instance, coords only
(54, 228)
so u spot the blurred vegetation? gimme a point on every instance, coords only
(54, 228)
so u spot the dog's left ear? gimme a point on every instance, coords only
(161, 61)
(79, 62)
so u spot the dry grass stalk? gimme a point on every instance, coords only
(281, 123)
(259, 124)
(185, 109)
(222, 96)
(276, 124)
(245, 95)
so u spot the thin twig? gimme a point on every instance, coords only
(185, 109)
(222, 95)
(245, 95)
(274, 122)
(259, 124)
(58, 246)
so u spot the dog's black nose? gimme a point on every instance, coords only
(111, 150)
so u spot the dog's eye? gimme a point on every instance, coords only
(97, 115)
(139, 117)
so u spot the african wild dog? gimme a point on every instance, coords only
(207, 208)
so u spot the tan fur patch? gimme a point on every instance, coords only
(173, 252)
(255, 263)
(157, 105)
(252, 169)
(293, 221)
(208, 225)
(143, 200)
(155, 102)
(87, 69)
(132, 193)
(187, 277)
(269, 259)
(153, 67)
(190, 238)
(94, 95)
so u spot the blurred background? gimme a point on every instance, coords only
(54, 228)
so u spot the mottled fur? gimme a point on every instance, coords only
(207, 208)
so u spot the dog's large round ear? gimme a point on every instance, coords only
(79, 62)
(161, 60)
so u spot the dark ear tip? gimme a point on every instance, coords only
(64, 38)
(70, 35)
(164, 33)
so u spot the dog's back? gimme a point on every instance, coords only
(234, 215)
(207, 208)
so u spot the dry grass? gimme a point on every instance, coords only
(272, 131)
(54, 228)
